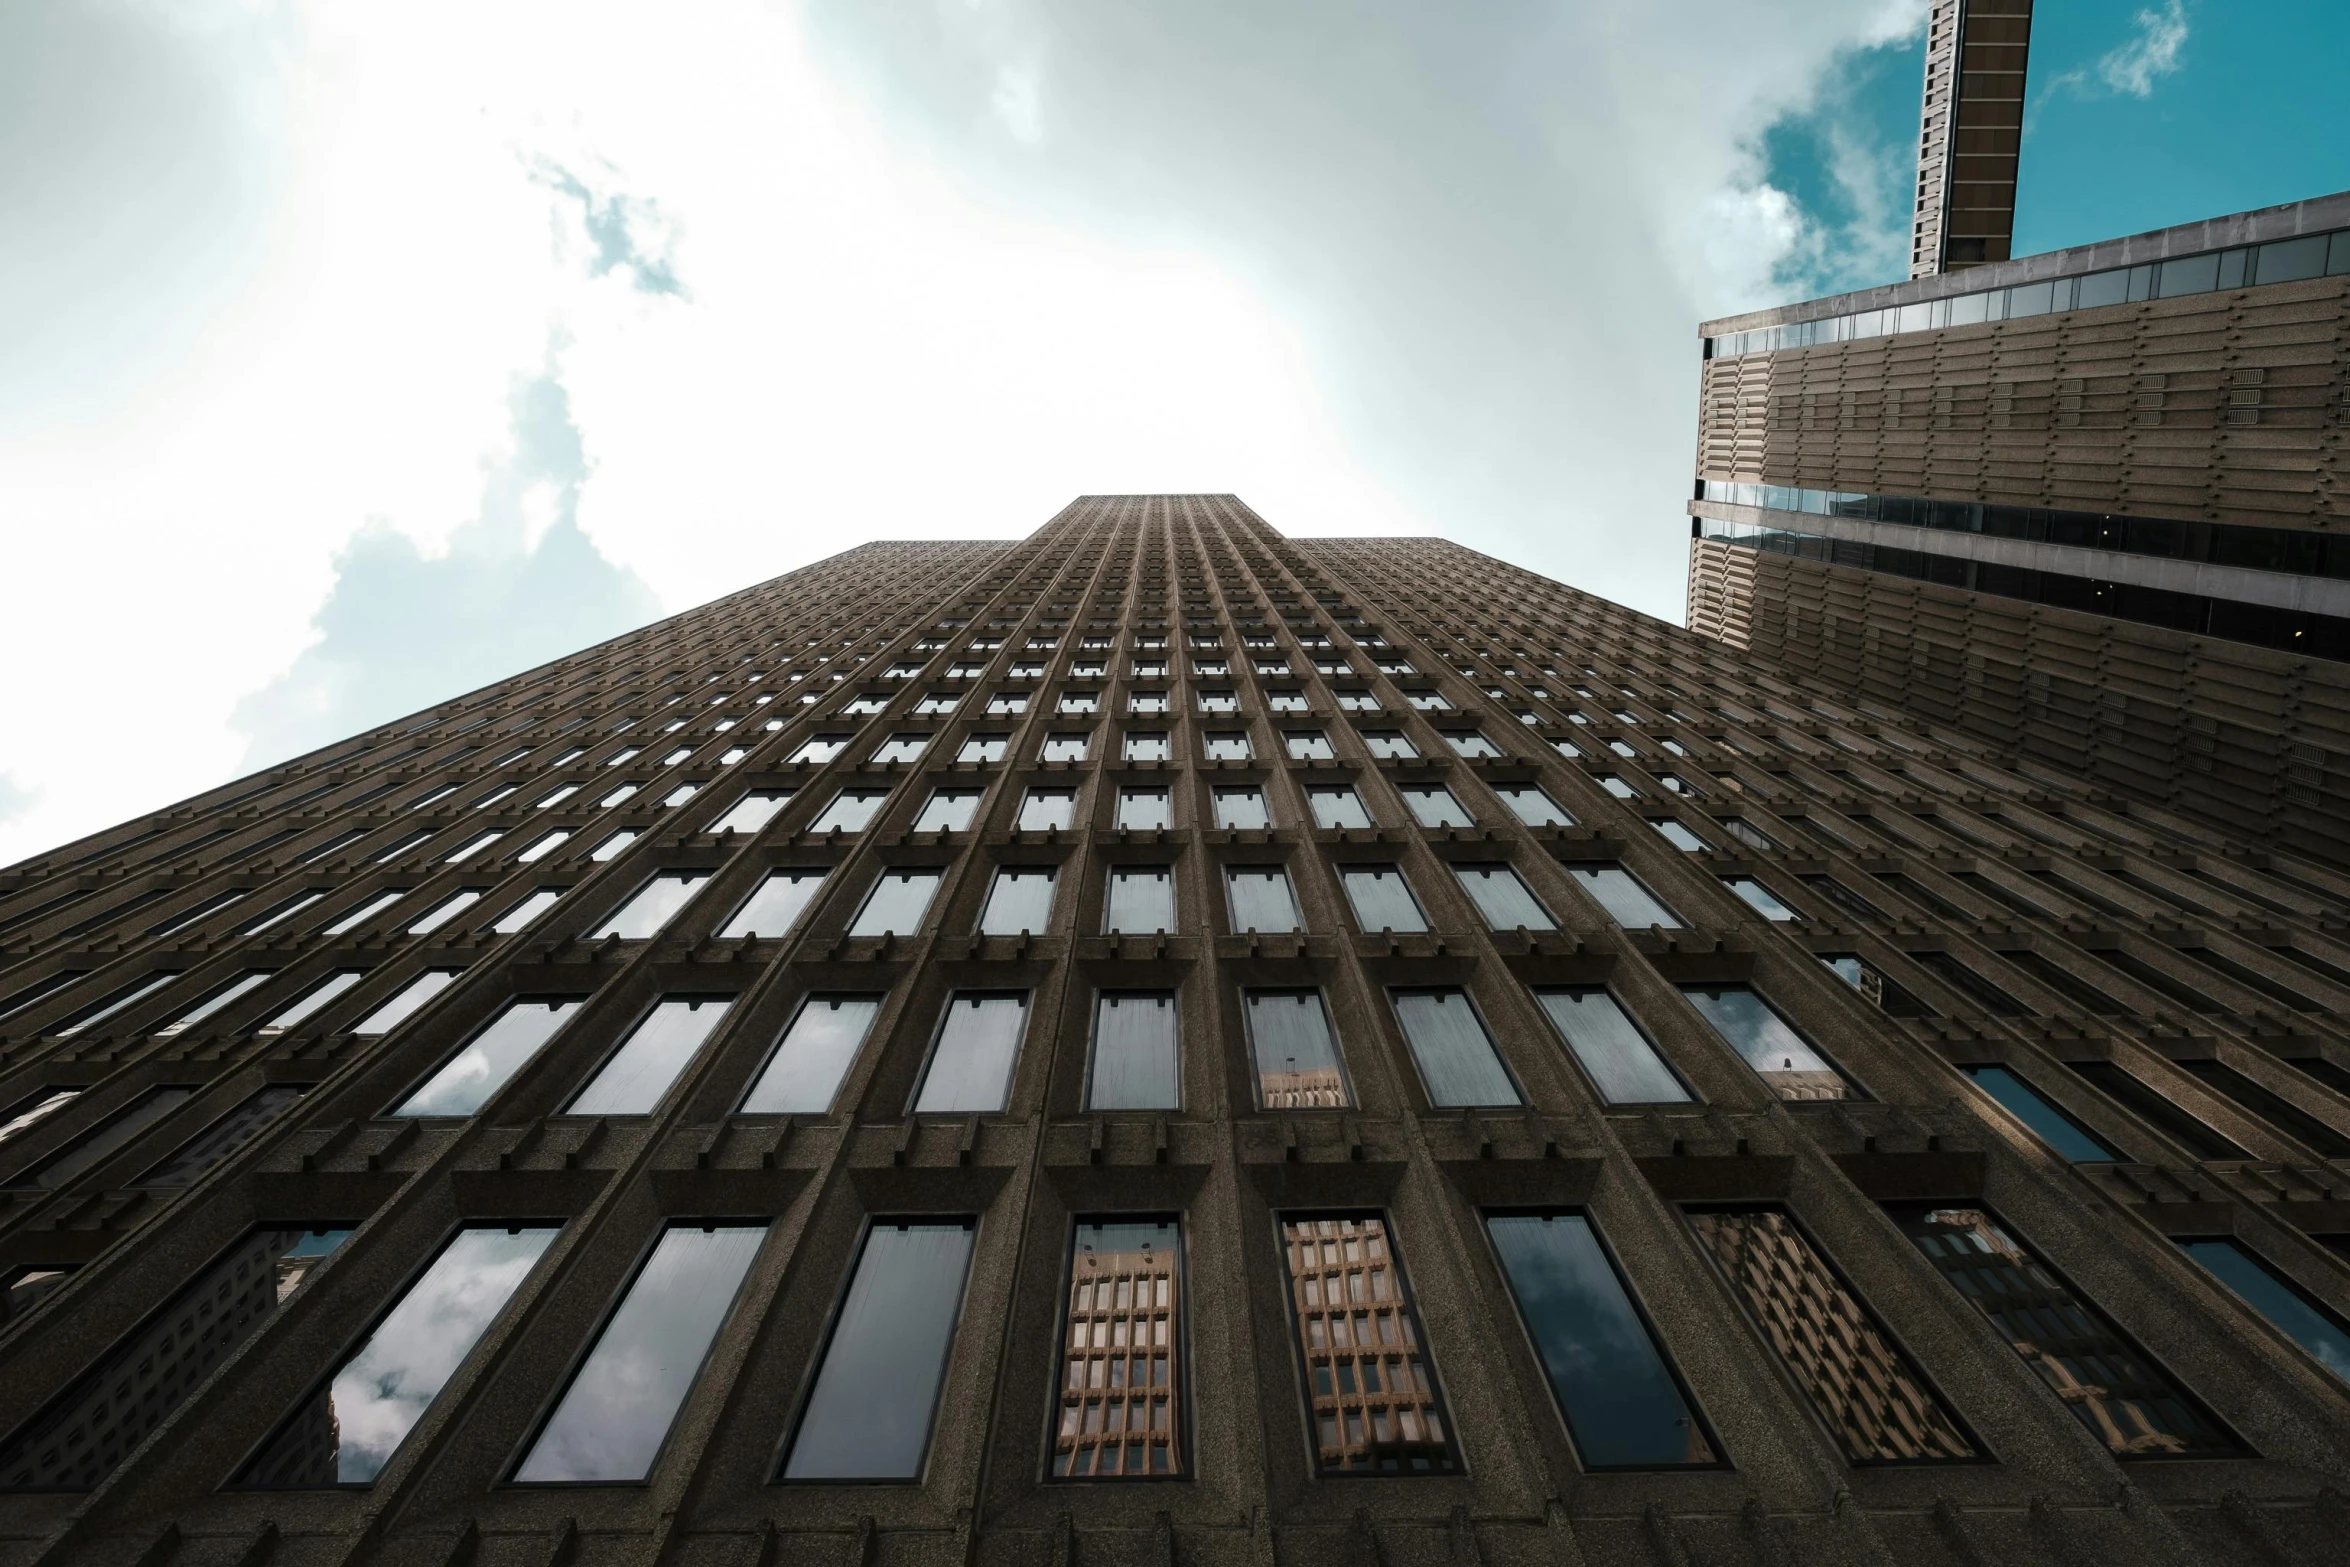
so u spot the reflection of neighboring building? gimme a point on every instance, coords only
(1320, 1088)
(146, 1377)
(1373, 1405)
(1121, 1404)
(1861, 1384)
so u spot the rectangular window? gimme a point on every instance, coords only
(653, 906)
(949, 810)
(1147, 702)
(1122, 1381)
(816, 748)
(897, 903)
(1616, 786)
(1370, 1393)
(220, 999)
(1141, 900)
(1865, 1389)
(83, 1434)
(223, 1137)
(1338, 808)
(804, 1074)
(1759, 898)
(2053, 1127)
(2289, 1308)
(1680, 837)
(1433, 805)
(1531, 805)
(984, 748)
(978, 1044)
(526, 913)
(405, 1005)
(1144, 810)
(1226, 745)
(319, 995)
(1296, 1056)
(1622, 1403)
(2158, 1109)
(1471, 744)
(1308, 745)
(875, 1396)
(472, 847)
(545, 846)
(610, 848)
(753, 811)
(346, 1431)
(907, 747)
(775, 908)
(1502, 898)
(466, 1081)
(1135, 1063)
(2106, 1381)
(1261, 898)
(620, 796)
(851, 810)
(664, 1041)
(1242, 810)
(1610, 1047)
(1019, 901)
(1381, 898)
(1048, 810)
(1968, 983)
(446, 910)
(1449, 1044)
(1627, 902)
(615, 1416)
(103, 1139)
(1390, 745)
(1219, 701)
(1873, 983)
(359, 916)
(1147, 745)
(1067, 747)
(1768, 1042)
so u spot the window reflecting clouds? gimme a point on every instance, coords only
(499, 1051)
(869, 1414)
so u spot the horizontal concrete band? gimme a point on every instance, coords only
(2237, 584)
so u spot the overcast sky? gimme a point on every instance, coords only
(356, 356)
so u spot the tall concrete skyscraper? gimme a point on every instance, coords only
(1166, 1042)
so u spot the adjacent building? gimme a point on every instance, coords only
(1162, 1041)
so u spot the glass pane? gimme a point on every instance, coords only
(1436, 807)
(1862, 1385)
(224, 1136)
(1627, 902)
(1501, 898)
(653, 906)
(869, 1415)
(971, 1067)
(897, 902)
(1381, 899)
(1296, 1058)
(778, 904)
(140, 1382)
(348, 1430)
(753, 811)
(1621, 1402)
(499, 1051)
(1242, 809)
(2158, 1109)
(2289, 1308)
(1370, 1393)
(1143, 809)
(1338, 808)
(1122, 1373)
(242, 985)
(1142, 899)
(2055, 1128)
(1018, 901)
(1048, 810)
(103, 1139)
(1261, 899)
(1623, 1065)
(1533, 807)
(410, 1001)
(1135, 1061)
(1680, 837)
(1749, 1026)
(28, 1113)
(949, 810)
(1452, 1050)
(1760, 898)
(659, 1048)
(2104, 1379)
(851, 810)
(618, 1410)
(814, 1055)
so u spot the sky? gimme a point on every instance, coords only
(359, 355)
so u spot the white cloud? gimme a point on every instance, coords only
(2135, 66)
(822, 275)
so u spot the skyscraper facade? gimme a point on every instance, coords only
(1167, 1042)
